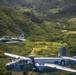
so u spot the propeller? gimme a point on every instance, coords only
(33, 62)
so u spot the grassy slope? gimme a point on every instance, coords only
(13, 23)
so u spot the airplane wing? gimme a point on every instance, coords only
(61, 68)
(15, 56)
(70, 58)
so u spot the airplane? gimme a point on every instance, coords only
(41, 64)
(8, 39)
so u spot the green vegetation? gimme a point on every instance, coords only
(43, 23)
(15, 22)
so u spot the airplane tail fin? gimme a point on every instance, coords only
(62, 51)
(21, 36)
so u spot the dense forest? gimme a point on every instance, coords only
(47, 25)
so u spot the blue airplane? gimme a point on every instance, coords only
(41, 64)
(8, 39)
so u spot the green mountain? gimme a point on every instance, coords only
(43, 23)
(44, 7)
(13, 22)
(51, 10)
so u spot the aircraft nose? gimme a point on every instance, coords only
(7, 67)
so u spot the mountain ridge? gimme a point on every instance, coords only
(13, 23)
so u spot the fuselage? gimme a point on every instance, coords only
(8, 39)
(63, 61)
(25, 65)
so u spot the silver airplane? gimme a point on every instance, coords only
(8, 39)
(42, 64)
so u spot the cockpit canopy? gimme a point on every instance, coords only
(22, 61)
(6, 38)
